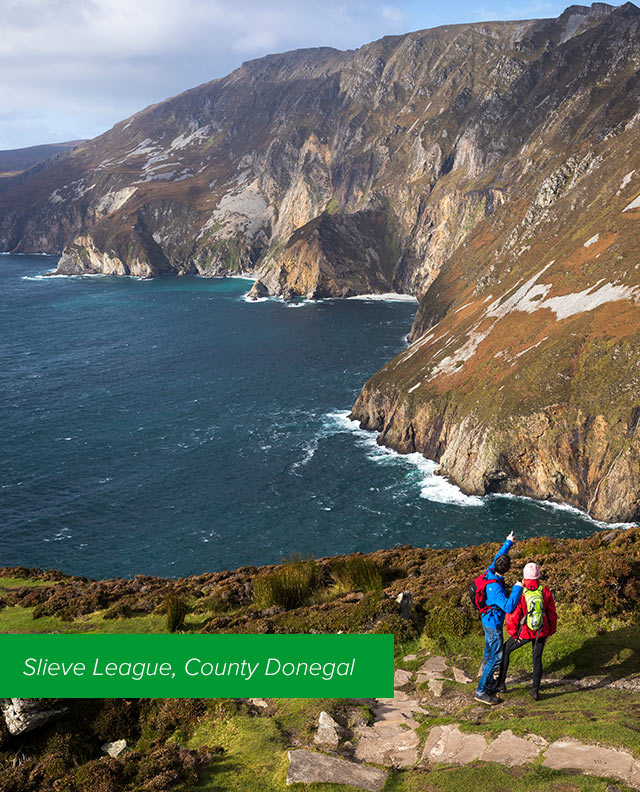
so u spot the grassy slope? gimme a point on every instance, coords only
(256, 746)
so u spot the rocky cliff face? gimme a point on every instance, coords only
(523, 369)
(397, 149)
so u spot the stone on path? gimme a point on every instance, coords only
(433, 668)
(408, 658)
(392, 739)
(401, 677)
(401, 704)
(570, 754)
(434, 665)
(436, 686)
(328, 732)
(114, 749)
(509, 750)
(388, 743)
(460, 676)
(449, 744)
(307, 767)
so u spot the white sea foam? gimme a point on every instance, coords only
(250, 300)
(432, 487)
(43, 277)
(309, 450)
(566, 507)
(387, 297)
(47, 276)
(299, 302)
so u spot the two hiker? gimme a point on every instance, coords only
(531, 617)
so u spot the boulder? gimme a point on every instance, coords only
(433, 668)
(328, 732)
(260, 703)
(405, 601)
(436, 686)
(23, 715)
(307, 767)
(114, 749)
(401, 678)
(393, 743)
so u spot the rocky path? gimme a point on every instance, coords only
(392, 740)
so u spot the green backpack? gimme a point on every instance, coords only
(535, 614)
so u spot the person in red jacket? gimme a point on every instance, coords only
(533, 621)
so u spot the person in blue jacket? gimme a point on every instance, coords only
(493, 620)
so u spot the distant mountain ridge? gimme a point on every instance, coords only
(15, 161)
(490, 169)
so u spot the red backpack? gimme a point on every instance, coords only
(478, 591)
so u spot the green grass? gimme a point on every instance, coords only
(489, 777)
(255, 756)
(177, 610)
(332, 207)
(20, 620)
(17, 582)
(602, 715)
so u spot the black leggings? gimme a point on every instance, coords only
(516, 643)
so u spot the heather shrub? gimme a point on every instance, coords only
(287, 586)
(177, 610)
(357, 573)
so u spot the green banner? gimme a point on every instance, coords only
(196, 666)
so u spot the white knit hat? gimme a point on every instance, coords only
(531, 571)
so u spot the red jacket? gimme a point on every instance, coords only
(512, 622)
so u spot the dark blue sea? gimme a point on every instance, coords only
(170, 427)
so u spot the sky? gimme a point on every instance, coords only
(70, 69)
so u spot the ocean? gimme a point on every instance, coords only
(171, 427)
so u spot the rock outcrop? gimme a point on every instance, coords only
(23, 715)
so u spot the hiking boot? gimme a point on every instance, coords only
(534, 694)
(487, 698)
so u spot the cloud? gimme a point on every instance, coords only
(72, 68)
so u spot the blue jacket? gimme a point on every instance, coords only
(496, 595)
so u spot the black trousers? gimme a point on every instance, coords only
(515, 643)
